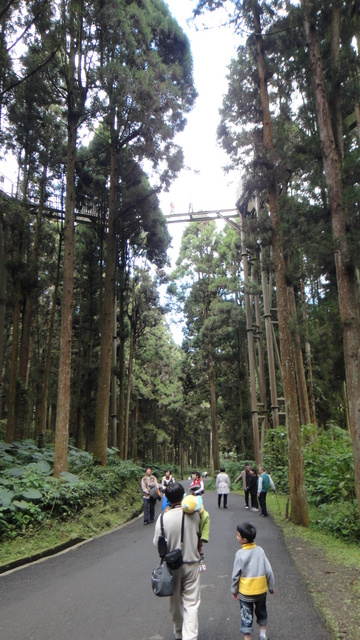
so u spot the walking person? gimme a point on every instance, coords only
(264, 483)
(185, 601)
(253, 489)
(246, 478)
(149, 488)
(252, 577)
(222, 487)
(166, 480)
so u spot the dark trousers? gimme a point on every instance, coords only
(224, 495)
(262, 501)
(254, 500)
(246, 493)
(149, 509)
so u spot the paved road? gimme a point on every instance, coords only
(101, 590)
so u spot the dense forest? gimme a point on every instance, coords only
(92, 95)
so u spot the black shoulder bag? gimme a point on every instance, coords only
(173, 559)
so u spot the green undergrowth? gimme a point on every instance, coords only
(339, 551)
(91, 521)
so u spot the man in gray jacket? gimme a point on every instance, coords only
(185, 602)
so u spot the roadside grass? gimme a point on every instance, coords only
(330, 567)
(337, 550)
(91, 521)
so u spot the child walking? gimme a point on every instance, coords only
(252, 577)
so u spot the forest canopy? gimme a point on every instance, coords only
(270, 298)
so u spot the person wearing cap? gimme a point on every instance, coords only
(191, 504)
(185, 601)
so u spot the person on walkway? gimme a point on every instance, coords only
(222, 486)
(197, 485)
(252, 577)
(166, 480)
(149, 488)
(246, 477)
(253, 489)
(185, 601)
(264, 484)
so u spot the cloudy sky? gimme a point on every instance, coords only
(204, 184)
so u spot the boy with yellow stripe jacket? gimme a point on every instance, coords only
(252, 577)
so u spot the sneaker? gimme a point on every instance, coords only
(246, 507)
(254, 509)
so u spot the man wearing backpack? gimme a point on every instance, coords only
(264, 483)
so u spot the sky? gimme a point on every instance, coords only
(204, 183)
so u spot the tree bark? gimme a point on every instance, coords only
(64, 376)
(214, 430)
(250, 344)
(308, 358)
(40, 421)
(3, 287)
(345, 270)
(128, 393)
(107, 322)
(299, 361)
(298, 498)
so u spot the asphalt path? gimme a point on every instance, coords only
(101, 590)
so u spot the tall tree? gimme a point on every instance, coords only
(329, 120)
(265, 159)
(77, 47)
(148, 86)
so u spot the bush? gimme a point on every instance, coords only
(341, 519)
(29, 493)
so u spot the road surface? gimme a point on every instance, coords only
(101, 590)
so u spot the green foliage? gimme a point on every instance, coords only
(29, 494)
(329, 475)
(341, 519)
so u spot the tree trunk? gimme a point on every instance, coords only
(3, 287)
(121, 360)
(250, 344)
(128, 393)
(64, 376)
(113, 399)
(299, 506)
(24, 364)
(308, 357)
(214, 431)
(40, 421)
(107, 322)
(299, 362)
(345, 271)
(11, 434)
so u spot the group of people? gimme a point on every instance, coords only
(186, 524)
(256, 485)
(153, 491)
